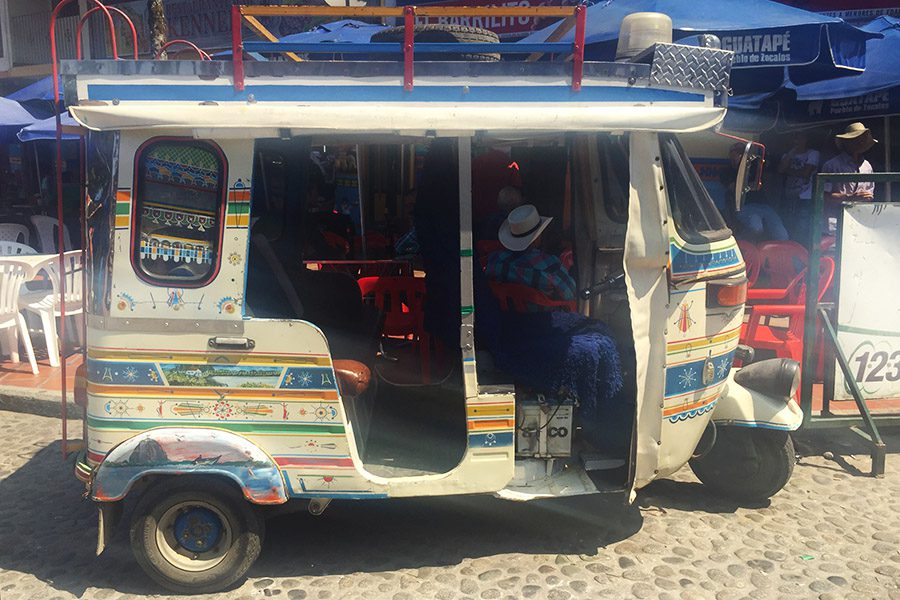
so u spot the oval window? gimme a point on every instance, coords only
(178, 212)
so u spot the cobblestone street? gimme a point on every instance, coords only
(832, 533)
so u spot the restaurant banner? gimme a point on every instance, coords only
(868, 320)
(505, 27)
(852, 11)
(876, 104)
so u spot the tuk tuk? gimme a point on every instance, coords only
(224, 377)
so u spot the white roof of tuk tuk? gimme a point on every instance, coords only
(362, 99)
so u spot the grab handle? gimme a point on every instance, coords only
(232, 343)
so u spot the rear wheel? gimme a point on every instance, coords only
(447, 34)
(195, 534)
(746, 464)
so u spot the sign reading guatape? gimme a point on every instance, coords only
(763, 48)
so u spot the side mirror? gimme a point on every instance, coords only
(750, 171)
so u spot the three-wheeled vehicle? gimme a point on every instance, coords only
(223, 377)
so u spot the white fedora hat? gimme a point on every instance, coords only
(522, 227)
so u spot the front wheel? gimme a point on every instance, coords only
(746, 464)
(195, 534)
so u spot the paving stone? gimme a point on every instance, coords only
(681, 545)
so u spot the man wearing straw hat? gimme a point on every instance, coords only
(523, 262)
(853, 143)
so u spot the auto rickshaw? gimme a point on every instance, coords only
(223, 377)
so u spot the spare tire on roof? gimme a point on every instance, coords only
(447, 34)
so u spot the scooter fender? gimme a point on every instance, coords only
(744, 407)
(183, 451)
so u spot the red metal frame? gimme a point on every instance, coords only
(115, 11)
(578, 55)
(409, 35)
(134, 251)
(237, 48)
(409, 14)
(200, 52)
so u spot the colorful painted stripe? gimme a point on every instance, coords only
(687, 378)
(217, 357)
(703, 343)
(212, 392)
(123, 208)
(238, 209)
(694, 412)
(235, 426)
(310, 461)
(491, 439)
(687, 262)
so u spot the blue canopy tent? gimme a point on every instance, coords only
(874, 93)
(345, 30)
(45, 129)
(13, 117)
(41, 89)
(774, 44)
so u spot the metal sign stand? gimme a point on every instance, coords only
(865, 424)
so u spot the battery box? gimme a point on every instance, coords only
(543, 426)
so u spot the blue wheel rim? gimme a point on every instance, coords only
(198, 529)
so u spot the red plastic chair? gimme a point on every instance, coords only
(781, 262)
(402, 301)
(516, 297)
(377, 245)
(751, 261)
(827, 243)
(337, 242)
(484, 248)
(787, 342)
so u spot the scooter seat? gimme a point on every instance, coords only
(353, 377)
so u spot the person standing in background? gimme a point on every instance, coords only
(853, 144)
(799, 164)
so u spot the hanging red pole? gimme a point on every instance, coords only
(409, 40)
(115, 11)
(237, 48)
(60, 239)
(578, 55)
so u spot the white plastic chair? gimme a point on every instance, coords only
(12, 276)
(45, 303)
(14, 232)
(47, 236)
(14, 248)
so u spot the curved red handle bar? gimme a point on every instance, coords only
(117, 11)
(200, 52)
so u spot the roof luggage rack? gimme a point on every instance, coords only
(243, 13)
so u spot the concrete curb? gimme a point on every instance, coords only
(36, 402)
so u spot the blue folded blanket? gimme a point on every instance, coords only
(560, 353)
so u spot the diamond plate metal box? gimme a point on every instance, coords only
(675, 65)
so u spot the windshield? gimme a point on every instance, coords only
(696, 218)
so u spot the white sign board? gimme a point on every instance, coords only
(868, 321)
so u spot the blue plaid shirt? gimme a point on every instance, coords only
(534, 268)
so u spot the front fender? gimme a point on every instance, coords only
(196, 451)
(744, 407)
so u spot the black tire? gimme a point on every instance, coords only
(746, 464)
(448, 34)
(232, 554)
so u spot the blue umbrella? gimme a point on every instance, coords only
(766, 36)
(12, 118)
(46, 129)
(41, 89)
(874, 93)
(882, 67)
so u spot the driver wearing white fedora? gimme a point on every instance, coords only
(523, 262)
